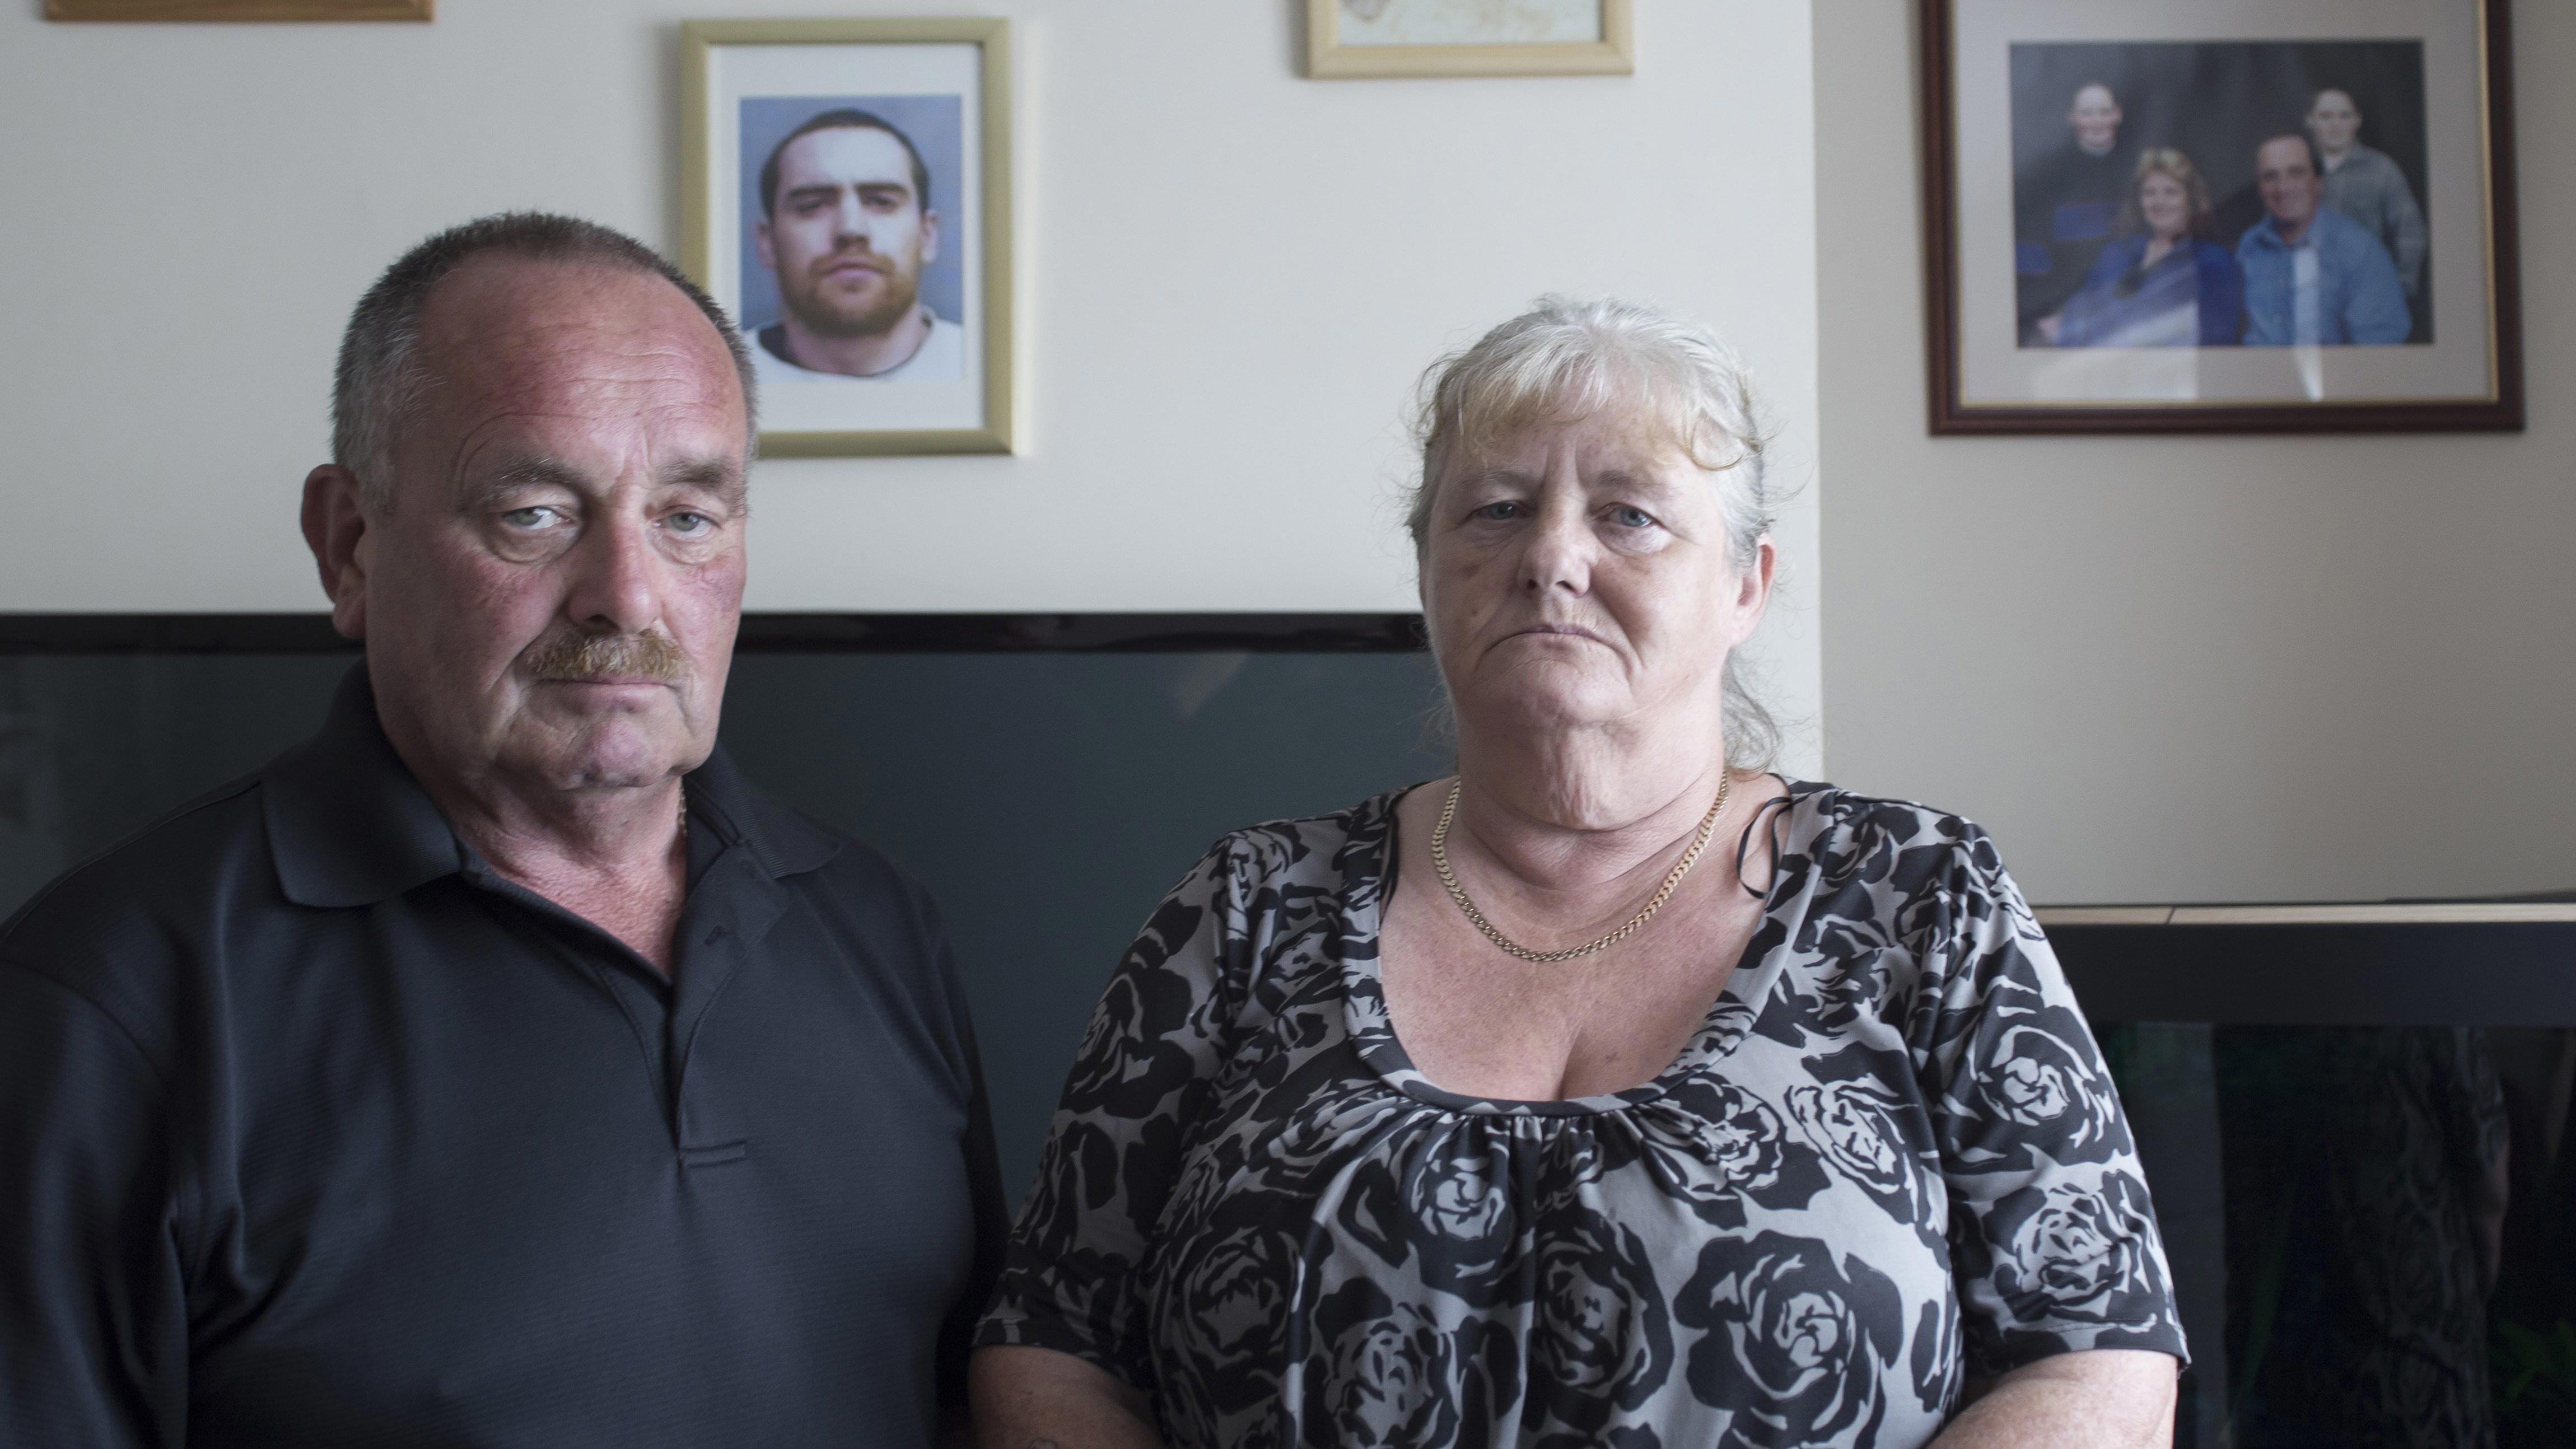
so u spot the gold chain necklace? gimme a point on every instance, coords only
(1458, 893)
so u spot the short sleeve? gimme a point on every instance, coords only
(2053, 1239)
(93, 1322)
(1143, 1071)
(983, 1169)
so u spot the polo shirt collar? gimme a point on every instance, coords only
(781, 842)
(2267, 233)
(349, 825)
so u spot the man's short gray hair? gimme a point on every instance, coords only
(1567, 359)
(380, 379)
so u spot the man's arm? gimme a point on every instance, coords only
(2406, 234)
(93, 1311)
(992, 1215)
(2375, 311)
(992, 1225)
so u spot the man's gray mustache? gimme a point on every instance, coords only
(609, 656)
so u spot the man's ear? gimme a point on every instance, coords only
(335, 520)
(929, 237)
(767, 244)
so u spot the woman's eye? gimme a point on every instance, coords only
(1497, 512)
(1627, 517)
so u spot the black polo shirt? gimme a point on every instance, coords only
(315, 1131)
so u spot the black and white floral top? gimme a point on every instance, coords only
(1890, 1157)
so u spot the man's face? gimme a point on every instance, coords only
(2334, 120)
(2291, 186)
(2096, 119)
(552, 593)
(849, 236)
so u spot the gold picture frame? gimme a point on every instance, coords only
(249, 10)
(1330, 57)
(798, 421)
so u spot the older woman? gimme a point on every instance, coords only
(1556, 1103)
(2164, 281)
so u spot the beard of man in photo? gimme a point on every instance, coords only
(848, 235)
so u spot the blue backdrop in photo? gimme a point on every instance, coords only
(937, 129)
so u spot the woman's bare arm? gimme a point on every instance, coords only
(1037, 1398)
(2098, 1398)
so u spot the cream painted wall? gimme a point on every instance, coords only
(2196, 669)
(1231, 276)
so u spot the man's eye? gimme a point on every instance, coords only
(689, 525)
(1498, 512)
(536, 517)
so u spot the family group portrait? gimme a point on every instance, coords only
(2187, 194)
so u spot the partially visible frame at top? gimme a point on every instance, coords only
(2043, 329)
(259, 10)
(1331, 54)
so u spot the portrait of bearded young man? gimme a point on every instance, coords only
(847, 226)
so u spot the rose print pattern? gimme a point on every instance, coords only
(1388, 1371)
(1800, 1346)
(2075, 1257)
(1854, 1125)
(1603, 1342)
(1725, 1152)
(1889, 1160)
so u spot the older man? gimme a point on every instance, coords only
(2313, 277)
(498, 1067)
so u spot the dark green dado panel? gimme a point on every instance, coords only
(1048, 799)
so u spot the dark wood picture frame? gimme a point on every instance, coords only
(2503, 412)
(247, 10)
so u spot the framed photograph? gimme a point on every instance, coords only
(2220, 216)
(1468, 37)
(845, 192)
(237, 9)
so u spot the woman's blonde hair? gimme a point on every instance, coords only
(2166, 161)
(1567, 359)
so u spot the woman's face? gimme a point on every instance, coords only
(2165, 204)
(1576, 575)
